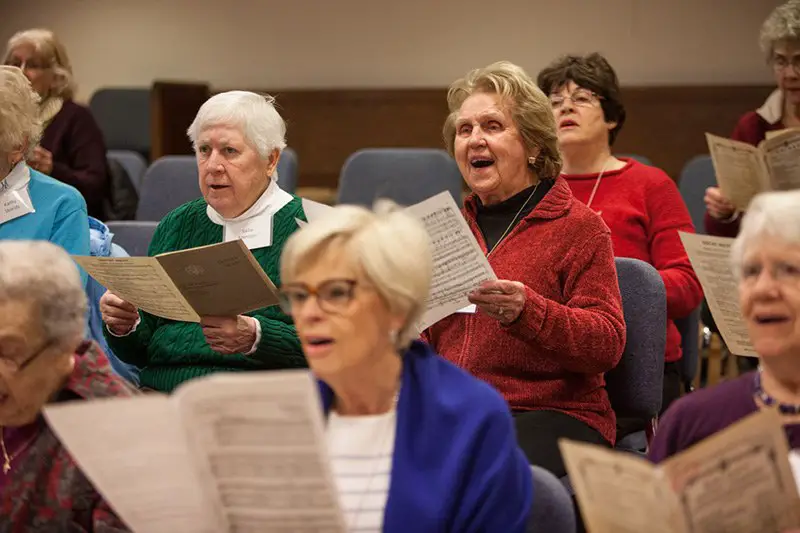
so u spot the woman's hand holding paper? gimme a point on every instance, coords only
(229, 335)
(501, 299)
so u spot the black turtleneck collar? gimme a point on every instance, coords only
(493, 220)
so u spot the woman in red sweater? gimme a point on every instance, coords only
(548, 330)
(780, 41)
(640, 204)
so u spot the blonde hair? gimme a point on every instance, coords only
(783, 24)
(19, 112)
(390, 246)
(770, 214)
(49, 49)
(530, 109)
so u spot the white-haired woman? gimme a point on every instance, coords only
(33, 206)
(238, 137)
(72, 149)
(416, 443)
(44, 360)
(766, 260)
(780, 42)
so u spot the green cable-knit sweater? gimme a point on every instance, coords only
(169, 352)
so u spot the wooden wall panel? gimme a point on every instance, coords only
(665, 124)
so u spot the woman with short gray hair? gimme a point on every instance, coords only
(766, 261)
(44, 360)
(35, 206)
(780, 43)
(415, 443)
(238, 137)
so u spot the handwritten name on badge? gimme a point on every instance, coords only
(17, 204)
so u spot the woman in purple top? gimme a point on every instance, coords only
(72, 149)
(766, 261)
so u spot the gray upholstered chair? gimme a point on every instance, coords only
(552, 510)
(133, 163)
(405, 175)
(287, 170)
(696, 177)
(168, 183)
(133, 236)
(635, 385)
(123, 115)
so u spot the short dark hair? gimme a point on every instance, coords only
(591, 72)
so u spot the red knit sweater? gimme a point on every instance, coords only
(571, 330)
(752, 128)
(645, 212)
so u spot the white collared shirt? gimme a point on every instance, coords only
(254, 226)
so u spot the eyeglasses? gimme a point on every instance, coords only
(28, 64)
(9, 366)
(780, 62)
(333, 296)
(580, 98)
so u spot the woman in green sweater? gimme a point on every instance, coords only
(238, 137)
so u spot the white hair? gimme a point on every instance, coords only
(253, 114)
(770, 214)
(389, 245)
(783, 24)
(19, 112)
(44, 274)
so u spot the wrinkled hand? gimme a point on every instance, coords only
(502, 300)
(120, 316)
(717, 205)
(42, 160)
(229, 335)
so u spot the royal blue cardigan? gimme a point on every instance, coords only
(456, 466)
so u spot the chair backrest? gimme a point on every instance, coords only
(133, 236)
(552, 510)
(405, 175)
(169, 182)
(133, 163)
(689, 328)
(123, 115)
(696, 177)
(635, 385)
(287, 170)
(640, 158)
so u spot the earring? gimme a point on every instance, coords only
(531, 160)
(393, 337)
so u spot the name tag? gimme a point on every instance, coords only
(255, 232)
(15, 204)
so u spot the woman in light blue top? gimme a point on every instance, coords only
(33, 206)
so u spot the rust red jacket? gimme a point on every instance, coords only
(571, 330)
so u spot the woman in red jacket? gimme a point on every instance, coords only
(780, 41)
(640, 203)
(548, 330)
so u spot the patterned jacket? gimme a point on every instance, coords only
(47, 492)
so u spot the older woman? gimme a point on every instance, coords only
(766, 260)
(72, 149)
(639, 203)
(780, 42)
(44, 360)
(238, 137)
(416, 443)
(547, 331)
(35, 206)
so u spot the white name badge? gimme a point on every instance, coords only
(15, 204)
(255, 232)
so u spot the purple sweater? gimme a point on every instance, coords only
(705, 412)
(79, 154)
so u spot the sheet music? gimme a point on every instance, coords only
(618, 493)
(459, 265)
(259, 444)
(738, 168)
(783, 160)
(142, 282)
(135, 453)
(710, 258)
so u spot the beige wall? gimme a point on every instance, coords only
(392, 43)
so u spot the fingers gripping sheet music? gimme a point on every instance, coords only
(239, 453)
(459, 264)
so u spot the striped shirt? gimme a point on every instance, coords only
(361, 450)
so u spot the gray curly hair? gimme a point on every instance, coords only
(783, 24)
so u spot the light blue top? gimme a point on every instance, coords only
(60, 217)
